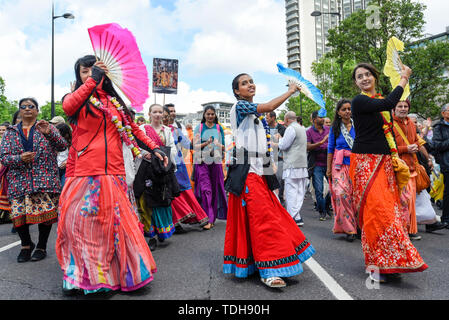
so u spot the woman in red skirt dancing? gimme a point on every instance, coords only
(100, 245)
(260, 234)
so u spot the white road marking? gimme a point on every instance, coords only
(322, 274)
(9, 246)
(328, 281)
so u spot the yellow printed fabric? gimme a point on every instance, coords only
(393, 66)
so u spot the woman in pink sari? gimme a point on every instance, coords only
(341, 140)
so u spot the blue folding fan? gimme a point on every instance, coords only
(306, 86)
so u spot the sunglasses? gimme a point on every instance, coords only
(29, 106)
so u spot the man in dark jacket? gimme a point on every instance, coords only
(440, 143)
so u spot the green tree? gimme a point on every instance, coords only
(45, 111)
(429, 85)
(304, 107)
(7, 108)
(356, 41)
(353, 42)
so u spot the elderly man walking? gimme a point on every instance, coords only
(295, 174)
(440, 142)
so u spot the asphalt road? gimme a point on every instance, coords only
(190, 268)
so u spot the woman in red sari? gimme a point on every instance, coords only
(385, 242)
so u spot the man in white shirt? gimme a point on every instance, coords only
(173, 121)
(295, 174)
(184, 146)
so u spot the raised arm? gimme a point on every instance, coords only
(277, 102)
(363, 104)
(75, 100)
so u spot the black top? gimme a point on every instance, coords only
(157, 184)
(368, 122)
(238, 172)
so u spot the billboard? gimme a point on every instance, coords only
(165, 76)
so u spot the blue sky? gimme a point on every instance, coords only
(213, 40)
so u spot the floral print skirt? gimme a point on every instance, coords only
(341, 194)
(34, 208)
(385, 242)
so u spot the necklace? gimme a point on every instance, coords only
(267, 134)
(124, 131)
(375, 96)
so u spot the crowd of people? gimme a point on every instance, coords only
(117, 186)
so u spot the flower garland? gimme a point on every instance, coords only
(267, 133)
(124, 131)
(387, 127)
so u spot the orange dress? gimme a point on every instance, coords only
(408, 195)
(188, 160)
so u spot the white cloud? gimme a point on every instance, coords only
(436, 16)
(234, 35)
(207, 36)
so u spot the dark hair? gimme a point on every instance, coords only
(14, 117)
(165, 109)
(272, 114)
(336, 124)
(65, 131)
(299, 119)
(407, 101)
(169, 105)
(87, 62)
(29, 99)
(369, 67)
(141, 119)
(235, 85)
(132, 113)
(314, 115)
(204, 112)
(5, 124)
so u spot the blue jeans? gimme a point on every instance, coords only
(318, 184)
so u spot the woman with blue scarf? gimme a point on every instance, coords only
(341, 140)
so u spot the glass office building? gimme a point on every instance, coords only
(307, 35)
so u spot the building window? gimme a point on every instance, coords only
(357, 5)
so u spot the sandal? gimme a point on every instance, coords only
(207, 226)
(274, 282)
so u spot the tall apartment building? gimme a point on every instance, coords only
(307, 35)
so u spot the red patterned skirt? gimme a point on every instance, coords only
(385, 241)
(100, 244)
(186, 209)
(261, 235)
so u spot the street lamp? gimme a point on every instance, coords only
(317, 13)
(65, 16)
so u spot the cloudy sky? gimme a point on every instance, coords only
(213, 40)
